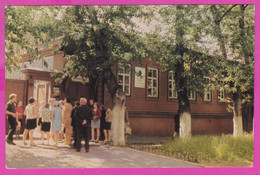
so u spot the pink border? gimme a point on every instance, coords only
(188, 171)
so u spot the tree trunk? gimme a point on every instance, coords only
(93, 94)
(237, 114)
(181, 84)
(184, 103)
(185, 114)
(237, 98)
(118, 119)
(118, 109)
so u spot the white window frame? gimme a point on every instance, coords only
(221, 95)
(171, 81)
(152, 79)
(192, 95)
(124, 74)
(207, 92)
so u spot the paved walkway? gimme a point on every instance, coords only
(100, 156)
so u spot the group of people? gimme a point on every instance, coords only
(82, 120)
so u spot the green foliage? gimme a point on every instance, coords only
(237, 28)
(180, 42)
(195, 29)
(209, 148)
(96, 37)
(26, 29)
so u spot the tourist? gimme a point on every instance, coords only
(91, 103)
(62, 132)
(95, 123)
(107, 126)
(83, 117)
(46, 123)
(102, 122)
(31, 121)
(73, 122)
(51, 107)
(56, 121)
(20, 111)
(66, 120)
(12, 117)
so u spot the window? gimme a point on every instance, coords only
(192, 95)
(152, 82)
(124, 78)
(172, 93)
(207, 91)
(221, 95)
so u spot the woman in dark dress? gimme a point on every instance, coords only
(102, 121)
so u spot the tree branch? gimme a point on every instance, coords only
(227, 12)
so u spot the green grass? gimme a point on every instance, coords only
(217, 148)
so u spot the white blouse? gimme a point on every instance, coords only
(31, 111)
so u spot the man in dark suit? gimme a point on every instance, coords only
(83, 117)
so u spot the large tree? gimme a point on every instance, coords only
(234, 29)
(192, 33)
(177, 46)
(94, 39)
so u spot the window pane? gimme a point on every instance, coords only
(154, 73)
(154, 91)
(149, 83)
(170, 86)
(175, 94)
(154, 83)
(149, 92)
(150, 73)
(127, 90)
(170, 94)
(127, 80)
(120, 79)
(121, 87)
